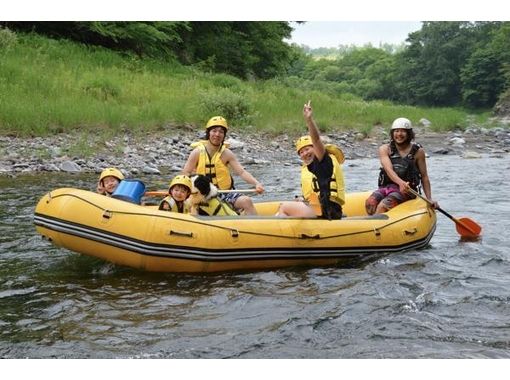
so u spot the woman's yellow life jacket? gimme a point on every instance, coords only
(173, 206)
(213, 167)
(216, 207)
(309, 183)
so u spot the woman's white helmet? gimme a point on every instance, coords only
(402, 123)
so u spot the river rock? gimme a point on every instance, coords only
(471, 154)
(167, 152)
(49, 168)
(150, 170)
(441, 151)
(359, 136)
(55, 151)
(235, 144)
(424, 122)
(70, 167)
(457, 141)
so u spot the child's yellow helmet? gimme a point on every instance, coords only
(111, 172)
(180, 180)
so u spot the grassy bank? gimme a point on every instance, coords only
(49, 86)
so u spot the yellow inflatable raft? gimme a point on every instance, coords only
(145, 238)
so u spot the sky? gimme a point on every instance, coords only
(317, 34)
(259, 10)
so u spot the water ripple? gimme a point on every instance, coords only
(449, 300)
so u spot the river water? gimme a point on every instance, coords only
(449, 300)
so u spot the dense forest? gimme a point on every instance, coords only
(465, 64)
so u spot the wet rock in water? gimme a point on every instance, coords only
(471, 154)
(70, 167)
(441, 151)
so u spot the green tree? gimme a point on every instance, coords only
(299, 60)
(156, 39)
(245, 49)
(486, 73)
(429, 69)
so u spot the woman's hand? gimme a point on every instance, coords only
(307, 110)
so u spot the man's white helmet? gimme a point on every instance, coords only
(402, 123)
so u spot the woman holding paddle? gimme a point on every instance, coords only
(403, 167)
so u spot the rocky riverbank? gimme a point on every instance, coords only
(167, 153)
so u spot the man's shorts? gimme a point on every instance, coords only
(230, 198)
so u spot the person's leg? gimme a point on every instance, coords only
(239, 202)
(295, 209)
(390, 201)
(245, 203)
(373, 201)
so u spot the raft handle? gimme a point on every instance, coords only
(411, 231)
(305, 236)
(179, 233)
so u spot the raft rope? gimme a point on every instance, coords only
(230, 229)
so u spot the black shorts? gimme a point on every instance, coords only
(334, 211)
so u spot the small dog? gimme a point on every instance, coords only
(204, 198)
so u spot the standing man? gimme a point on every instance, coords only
(213, 159)
(403, 166)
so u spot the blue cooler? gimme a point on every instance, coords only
(130, 190)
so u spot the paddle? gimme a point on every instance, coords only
(163, 193)
(466, 227)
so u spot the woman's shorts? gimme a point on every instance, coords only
(390, 196)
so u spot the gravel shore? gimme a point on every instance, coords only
(166, 153)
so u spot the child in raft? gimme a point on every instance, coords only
(179, 191)
(108, 181)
